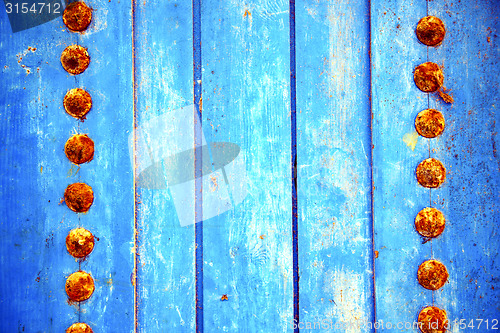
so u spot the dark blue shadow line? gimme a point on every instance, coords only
(198, 165)
(293, 120)
(370, 171)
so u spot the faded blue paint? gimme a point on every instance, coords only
(468, 148)
(246, 100)
(164, 82)
(247, 250)
(334, 184)
(397, 196)
(34, 261)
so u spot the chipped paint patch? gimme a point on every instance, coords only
(411, 140)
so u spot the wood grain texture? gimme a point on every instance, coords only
(246, 100)
(36, 172)
(164, 83)
(397, 150)
(111, 218)
(469, 199)
(358, 249)
(334, 184)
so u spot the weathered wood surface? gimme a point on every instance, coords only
(35, 173)
(333, 157)
(357, 151)
(469, 197)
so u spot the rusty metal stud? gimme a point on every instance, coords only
(79, 197)
(75, 59)
(77, 103)
(428, 77)
(432, 274)
(79, 149)
(430, 222)
(79, 328)
(430, 31)
(77, 16)
(431, 173)
(80, 242)
(429, 123)
(79, 286)
(432, 319)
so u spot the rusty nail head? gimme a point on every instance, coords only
(432, 274)
(79, 197)
(79, 149)
(77, 16)
(428, 77)
(431, 173)
(429, 123)
(430, 31)
(75, 59)
(79, 286)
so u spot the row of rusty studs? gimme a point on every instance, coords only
(430, 173)
(78, 149)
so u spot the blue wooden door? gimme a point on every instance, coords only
(254, 168)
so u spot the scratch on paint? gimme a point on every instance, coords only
(411, 139)
(182, 320)
(348, 288)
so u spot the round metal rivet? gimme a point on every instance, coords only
(79, 286)
(428, 77)
(432, 274)
(77, 103)
(430, 31)
(432, 320)
(77, 16)
(79, 328)
(79, 149)
(431, 173)
(75, 59)
(80, 242)
(430, 222)
(429, 123)
(79, 197)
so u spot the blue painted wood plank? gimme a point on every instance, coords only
(246, 101)
(37, 127)
(334, 153)
(397, 150)
(34, 261)
(110, 173)
(164, 88)
(469, 198)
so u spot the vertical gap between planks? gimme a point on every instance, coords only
(198, 164)
(293, 162)
(372, 181)
(135, 278)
